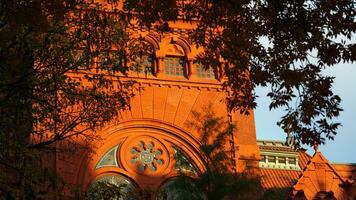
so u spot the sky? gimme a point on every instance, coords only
(340, 150)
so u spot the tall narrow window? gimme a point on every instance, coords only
(143, 63)
(174, 66)
(174, 62)
(201, 72)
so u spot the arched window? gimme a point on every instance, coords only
(143, 62)
(299, 195)
(112, 186)
(175, 62)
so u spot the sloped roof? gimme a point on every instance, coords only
(279, 178)
(346, 170)
(319, 176)
(303, 158)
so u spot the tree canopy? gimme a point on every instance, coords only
(44, 42)
(218, 180)
(55, 83)
(282, 44)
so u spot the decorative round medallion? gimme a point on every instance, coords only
(145, 155)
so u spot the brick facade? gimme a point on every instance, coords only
(158, 121)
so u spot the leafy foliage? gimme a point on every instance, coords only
(104, 190)
(57, 58)
(56, 84)
(217, 181)
(301, 39)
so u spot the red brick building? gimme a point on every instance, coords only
(140, 146)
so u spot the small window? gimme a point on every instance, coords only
(282, 160)
(174, 66)
(202, 72)
(292, 161)
(263, 158)
(271, 159)
(109, 159)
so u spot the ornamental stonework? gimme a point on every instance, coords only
(146, 156)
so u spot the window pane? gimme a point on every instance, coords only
(204, 73)
(282, 160)
(174, 66)
(103, 188)
(292, 161)
(271, 159)
(144, 65)
(109, 159)
(263, 158)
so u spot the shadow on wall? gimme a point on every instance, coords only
(146, 163)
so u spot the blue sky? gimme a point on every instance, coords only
(343, 148)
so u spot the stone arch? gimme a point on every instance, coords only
(177, 57)
(128, 135)
(151, 39)
(183, 43)
(145, 62)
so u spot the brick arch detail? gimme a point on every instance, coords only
(117, 134)
(184, 44)
(153, 41)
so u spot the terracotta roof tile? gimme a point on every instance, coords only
(278, 178)
(303, 159)
(282, 180)
(347, 171)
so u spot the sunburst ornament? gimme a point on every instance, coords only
(146, 156)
